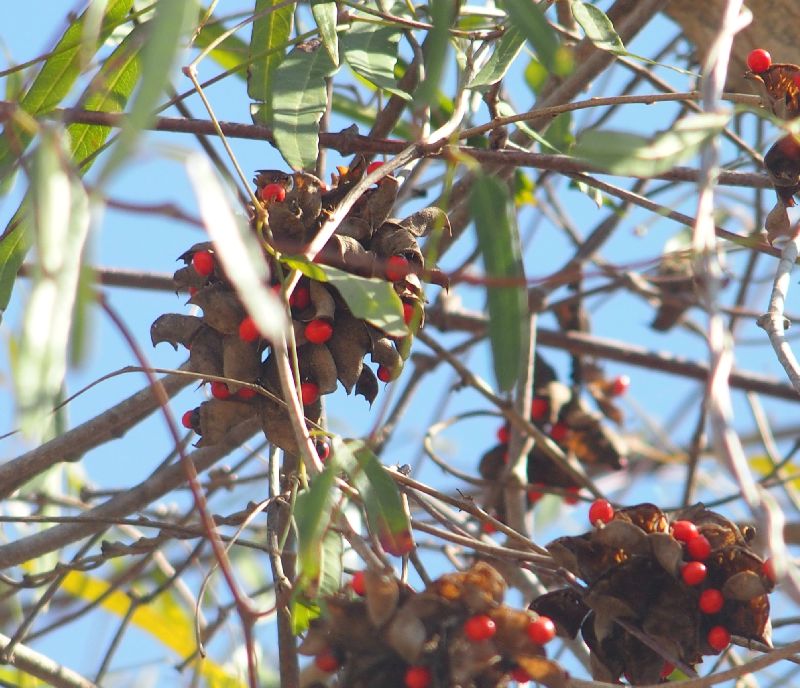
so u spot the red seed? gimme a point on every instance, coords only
(192, 291)
(246, 393)
(203, 263)
(300, 298)
(272, 192)
(684, 530)
(694, 573)
(398, 544)
(711, 601)
(418, 677)
(384, 374)
(186, 419)
(620, 385)
(488, 528)
(519, 675)
(601, 511)
(542, 630)
(699, 548)
(397, 267)
(768, 569)
(318, 331)
(572, 495)
(219, 390)
(327, 661)
(503, 434)
(479, 627)
(248, 332)
(323, 448)
(408, 312)
(358, 584)
(534, 495)
(559, 432)
(540, 407)
(759, 60)
(309, 392)
(667, 669)
(719, 638)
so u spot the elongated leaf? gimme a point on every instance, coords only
(325, 13)
(386, 517)
(313, 515)
(630, 154)
(271, 32)
(498, 241)
(504, 54)
(60, 210)
(372, 54)
(165, 39)
(369, 298)
(330, 577)
(237, 248)
(59, 73)
(597, 27)
(299, 98)
(530, 20)
(435, 51)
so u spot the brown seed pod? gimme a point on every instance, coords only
(406, 635)
(187, 278)
(217, 417)
(323, 304)
(565, 607)
(222, 309)
(317, 365)
(205, 356)
(240, 361)
(367, 385)
(348, 346)
(276, 424)
(175, 329)
(382, 596)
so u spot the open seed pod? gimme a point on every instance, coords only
(457, 631)
(687, 583)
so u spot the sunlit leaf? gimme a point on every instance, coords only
(497, 65)
(372, 53)
(597, 27)
(498, 241)
(529, 19)
(312, 515)
(435, 51)
(238, 250)
(303, 612)
(60, 222)
(325, 13)
(630, 154)
(271, 32)
(299, 98)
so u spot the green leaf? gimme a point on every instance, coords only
(58, 75)
(303, 611)
(312, 515)
(597, 27)
(237, 248)
(368, 298)
(530, 20)
(330, 577)
(232, 52)
(60, 221)
(372, 53)
(299, 98)
(629, 154)
(504, 54)
(14, 246)
(386, 516)
(164, 41)
(434, 52)
(271, 32)
(498, 241)
(325, 13)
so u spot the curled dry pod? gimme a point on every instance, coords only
(317, 364)
(406, 635)
(392, 239)
(777, 223)
(493, 462)
(187, 278)
(543, 671)
(299, 328)
(667, 551)
(276, 424)
(564, 554)
(467, 659)
(512, 636)
(646, 516)
(221, 308)
(322, 301)
(349, 627)
(378, 202)
(355, 228)
(348, 346)
(565, 607)
(384, 354)
(306, 196)
(743, 586)
(382, 596)
(186, 256)
(175, 329)
(217, 417)
(483, 587)
(782, 163)
(240, 361)
(315, 642)
(346, 252)
(205, 356)
(367, 385)
(622, 535)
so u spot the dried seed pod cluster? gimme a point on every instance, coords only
(331, 342)
(457, 632)
(686, 585)
(577, 429)
(779, 87)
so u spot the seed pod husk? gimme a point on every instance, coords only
(187, 277)
(348, 346)
(187, 255)
(667, 551)
(394, 240)
(322, 302)
(240, 361)
(406, 635)
(743, 586)
(205, 356)
(367, 385)
(382, 596)
(175, 329)
(276, 424)
(217, 417)
(383, 350)
(317, 364)
(222, 309)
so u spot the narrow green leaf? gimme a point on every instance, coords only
(237, 248)
(58, 75)
(303, 612)
(434, 52)
(312, 515)
(504, 54)
(369, 298)
(299, 98)
(271, 32)
(597, 27)
(14, 246)
(629, 154)
(372, 53)
(330, 577)
(325, 13)
(386, 517)
(60, 221)
(530, 20)
(498, 241)
(165, 40)
(232, 52)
